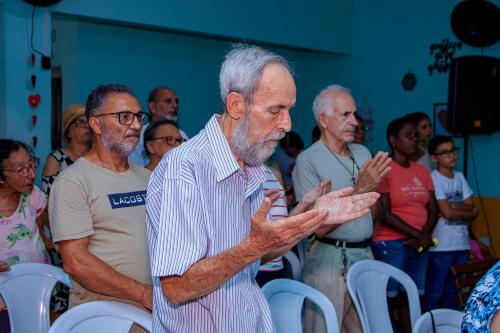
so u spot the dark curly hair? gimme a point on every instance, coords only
(417, 117)
(395, 126)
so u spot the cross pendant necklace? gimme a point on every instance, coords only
(354, 164)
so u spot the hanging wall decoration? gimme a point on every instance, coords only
(409, 81)
(442, 54)
(34, 100)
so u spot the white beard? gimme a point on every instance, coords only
(253, 153)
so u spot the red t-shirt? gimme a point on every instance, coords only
(408, 189)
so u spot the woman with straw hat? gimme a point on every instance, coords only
(77, 134)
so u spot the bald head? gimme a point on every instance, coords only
(163, 103)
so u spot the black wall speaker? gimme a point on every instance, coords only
(476, 22)
(42, 3)
(474, 95)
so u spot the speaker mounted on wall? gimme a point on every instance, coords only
(476, 22)
(474, 95)
(42, 3)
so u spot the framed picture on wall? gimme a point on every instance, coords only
(440, 120)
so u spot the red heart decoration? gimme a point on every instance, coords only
(34, 118)
(34, 100)
(33, 80)
(33, 58)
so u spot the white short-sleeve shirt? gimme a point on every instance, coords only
(451, 235)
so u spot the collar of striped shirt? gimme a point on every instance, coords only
(225, 161)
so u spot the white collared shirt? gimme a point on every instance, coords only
(199, 204)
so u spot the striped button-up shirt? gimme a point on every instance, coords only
(199, 204)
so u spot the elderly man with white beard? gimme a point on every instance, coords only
(97, 206)
(206, 212)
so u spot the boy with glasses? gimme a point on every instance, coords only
(454, 198)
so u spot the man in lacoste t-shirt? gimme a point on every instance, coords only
(97, 207)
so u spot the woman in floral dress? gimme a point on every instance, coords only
(21, 203)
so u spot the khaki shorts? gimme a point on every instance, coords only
(324, 271)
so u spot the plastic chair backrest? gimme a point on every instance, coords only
(367, 285)
(286, 300)
(26, 290)
(294, 262)
(102, 316)
(445, 321)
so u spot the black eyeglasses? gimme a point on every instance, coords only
(448, 153)
(127, 117)
(170, 140)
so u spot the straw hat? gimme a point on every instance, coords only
(69, 115)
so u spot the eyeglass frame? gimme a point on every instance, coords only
(448, 153)
(23, 171)
(166, 138)
(141, 116)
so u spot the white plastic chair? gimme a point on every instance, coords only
(367, 285)
(286, 300)
(102, 317)
(295, 265)
(26, 290)
(445, 321)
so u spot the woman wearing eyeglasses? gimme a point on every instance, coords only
(159, 138)
(77, 134)
(21, 204)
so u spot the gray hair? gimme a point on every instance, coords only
(99, 96)
(325, 100)
(242, 70)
